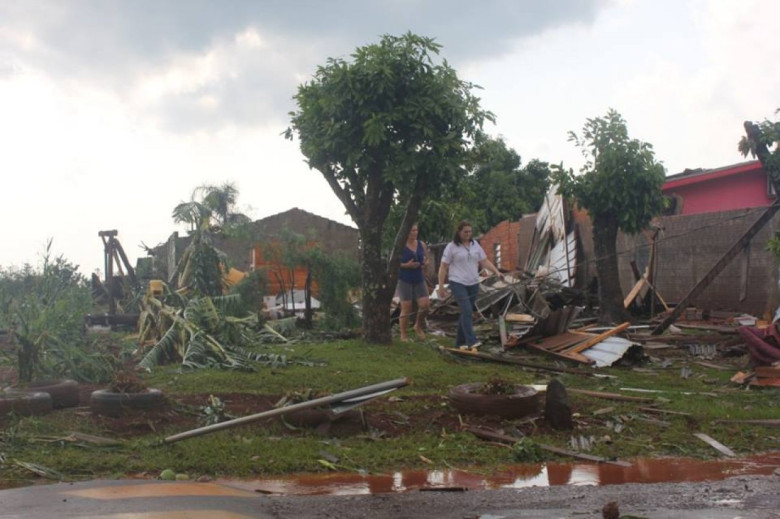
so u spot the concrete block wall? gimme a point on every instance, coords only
(688, 246)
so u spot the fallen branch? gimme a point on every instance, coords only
(609, 396)
(488, 434)
(663, 411)
(767, 423)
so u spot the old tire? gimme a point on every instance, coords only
(64, 393)
(467, 400)
(109, 403)
(24, 403)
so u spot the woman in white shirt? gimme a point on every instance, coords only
(462, 260)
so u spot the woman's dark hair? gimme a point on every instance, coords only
(461, 225)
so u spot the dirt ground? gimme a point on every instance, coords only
(183, 412)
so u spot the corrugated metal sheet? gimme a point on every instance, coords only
(562, 260)
(609, 351)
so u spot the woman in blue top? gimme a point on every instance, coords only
(411, 284)
(462, 260)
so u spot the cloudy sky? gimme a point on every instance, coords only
(112, 111)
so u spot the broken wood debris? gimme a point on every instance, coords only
(715, 444)
(766, 423)
(571, 345)
(663, 411)
(510, 360)
(610, 396)
(488, 434)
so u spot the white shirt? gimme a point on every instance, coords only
(463, 262)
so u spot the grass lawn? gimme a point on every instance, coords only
(413, 427)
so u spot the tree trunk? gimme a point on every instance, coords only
(611, 310)
(377, 292)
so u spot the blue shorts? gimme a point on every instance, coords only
(412, 291)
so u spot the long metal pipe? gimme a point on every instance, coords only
(317, 402)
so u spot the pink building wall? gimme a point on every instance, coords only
(737, 187)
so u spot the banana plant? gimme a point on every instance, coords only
(199, 332)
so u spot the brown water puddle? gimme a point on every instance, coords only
(549, 474)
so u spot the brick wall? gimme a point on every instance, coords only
(502, 240)
(332, 236)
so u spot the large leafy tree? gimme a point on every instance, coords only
(497, 175)
(392, 125)
(493, 172)
(620, 186)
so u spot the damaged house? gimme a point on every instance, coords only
(711, 209)
(258, 247)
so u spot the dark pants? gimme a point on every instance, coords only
(466, 296)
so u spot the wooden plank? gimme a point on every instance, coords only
(582, 337)
(635, 270)
(767, 371)
(663, 411)
(610, 396)
(585, 328)
(597, 339)
(766, 423)
(634, 292)
(657, 295)
(556, 341)
(715, 444)
(576, 357)
(502, 330)
(510, 360)
(710, 327)
(489, 434)
(520, 318)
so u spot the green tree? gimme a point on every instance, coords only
(498, 176)
(494, 172)
(760, 141)
(43, 310)
(390, 126)
(757, 141)
(620, 187)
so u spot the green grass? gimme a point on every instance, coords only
(265, 449)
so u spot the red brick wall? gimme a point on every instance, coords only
(505, 234)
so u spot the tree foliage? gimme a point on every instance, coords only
(336, 275)
(494, 173)
(392, 125)
(43, 311)
(620, 186)
(209, 211)
(761, 141)
(620, 180)
(497, 176)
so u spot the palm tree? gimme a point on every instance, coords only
(209, 211)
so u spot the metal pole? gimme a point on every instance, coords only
(346, 395)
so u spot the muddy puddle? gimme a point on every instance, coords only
(673, 470)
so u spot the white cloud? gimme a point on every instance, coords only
(114, 112)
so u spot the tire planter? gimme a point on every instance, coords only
(523, 402)
(108, 403)
(24, 403)
(64, 393)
